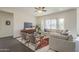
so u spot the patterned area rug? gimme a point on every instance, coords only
(31, 46)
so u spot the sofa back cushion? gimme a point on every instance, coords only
(56, 31)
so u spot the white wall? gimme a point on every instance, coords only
(6, 30)
(78, 21)
(21, 15)
(70, 19)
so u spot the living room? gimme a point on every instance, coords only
(51, 20)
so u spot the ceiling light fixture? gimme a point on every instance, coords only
(40, 10)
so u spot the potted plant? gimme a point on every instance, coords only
(38, 29)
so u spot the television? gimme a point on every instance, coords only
(27, 25)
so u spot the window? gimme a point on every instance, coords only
(47, 24)
(50, 24)
(61, 23)
(54, 23)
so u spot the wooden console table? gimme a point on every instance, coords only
(28, 31)
(26, 34)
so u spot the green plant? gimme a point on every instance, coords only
(38, 29)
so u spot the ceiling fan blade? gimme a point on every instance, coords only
(40, 9)
(36, 8)
(43, 7)
(44, 10)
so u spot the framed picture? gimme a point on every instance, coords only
(8, 22)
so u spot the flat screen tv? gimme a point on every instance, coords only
(27, 25)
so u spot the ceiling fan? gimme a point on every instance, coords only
(40, 9)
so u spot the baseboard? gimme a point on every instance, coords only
(6, 37)
(17, 37)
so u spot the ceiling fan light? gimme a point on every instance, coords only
(39, 11)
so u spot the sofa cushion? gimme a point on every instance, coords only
(56, 31)
(59, 36)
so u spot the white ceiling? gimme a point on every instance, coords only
(56, 9)
(31, 10)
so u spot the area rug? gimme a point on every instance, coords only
(43, 42)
